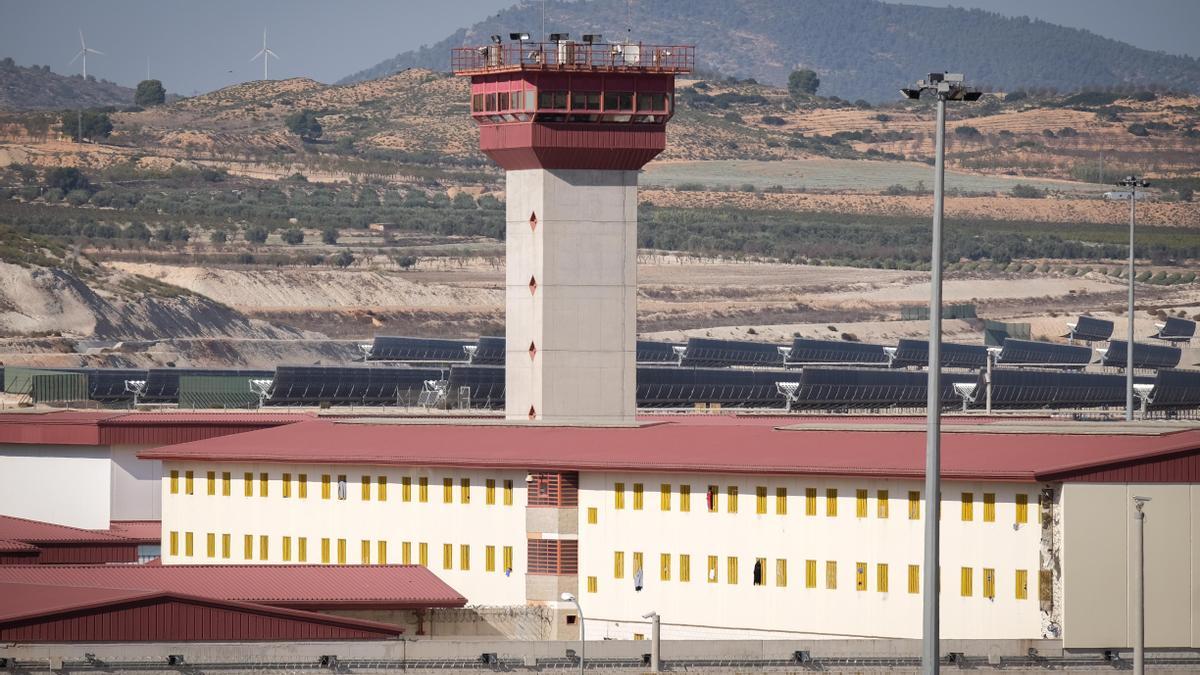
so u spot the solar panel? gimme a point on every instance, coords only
(1051, 389)
(395, 348)
(649, 351)
(350, 385)
(838, 388)
(916, 353)
(1090, 329)
(710, 353)
(1145, 356)
(1175, 389)
(162, 384)
(1176, 330)
(805, 350)
(663, 387)
(1035, 353)
(487, 351)
(471, 386)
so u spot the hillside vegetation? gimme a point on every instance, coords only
(37, 88)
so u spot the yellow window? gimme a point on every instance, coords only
(341, 551)
(810, 501)
(989, 583)
(174, 481)
(731, 498)
(447, 490)
(713, 495)
(1022, 585)
(1045, 584)
(685, 567)
(664, 567)
(262, 485)
(508, 492)
(619, 565)
(286, 485)
(226, 479)
(637, 496)
(422, 489)
(810, 573)
(248, 484)
(731, 570)
(447, 556)
(343, 487)
(781, 572)
(712, 569)
(248, 546)
(464, 492)
(324, 550)
(966, 582)
(831, 574)
(508, 559)
(406, 552)
(365, 489)
(637, 561)
(914, 505)
(685, 498)
(968, 506)
(406, 488)
(382, 551)
(187, 544)
(423, 554)
(781, 501)
(381, 487)
(592, 584)
(287, 549)
(760, 499)
(489, 558)
(262, 547)
(989, 507)
(364, 551)
(881, 503)
(302, 549)
(831, 502)
(302, 486)
(464, 557)
(881, 577)
(639, 636)
(188, 483)
(759, 574)
(664, 497)
(325, 486)
(489, 493)
(914, 578)
(225, 545)
(212, 483)
(860, 503)
(211, 545)
(860, 576)
(1022, 509)
(174, 543)
(593, 515)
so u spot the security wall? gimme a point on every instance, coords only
(66, 484)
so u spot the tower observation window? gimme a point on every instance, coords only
(491, 102)
(585, 100)
(477, 103)
(618, 100)
(502, 101)
(652, 102)
(552, 100)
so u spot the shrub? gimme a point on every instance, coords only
(343, 259)
(329, 235)
(1049, 133)
(218, 237)
(245, 259)
(293, 236)
(78, 197)
(1138, 130)
(1022, 191)
(734, 117)
(256, 235)
(773, 120)
(1014, 96)
(67, 178)
(54, 195)
(1067, 132)
(748, 187)
(967, 132)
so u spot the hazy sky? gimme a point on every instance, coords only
(200, 45)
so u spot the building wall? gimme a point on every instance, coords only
(136, 490)
(700, 609)
(1098, 552)
(64, 484)
(353, 520)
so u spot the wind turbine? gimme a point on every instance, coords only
(84, 50)
(264, 53)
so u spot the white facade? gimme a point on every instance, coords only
(571, 284)
(700, 608)
(64, 484)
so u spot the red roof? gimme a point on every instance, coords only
(143, 531)
(67, 427)
(12, 546)
(38, 532)
(732, 445)
(302, 586)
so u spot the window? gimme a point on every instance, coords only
(966, 582)
(1022, 509)
(639, 636)
(592, 515)
(619, 565)
(1022, 585)
(489, 558)
(382, 552)
(341, 551)
(365, 552)
(325, 486)
(174, 481)
(508, 492)
(860, 576)
(881, 577)
(406, 552)
(302, 486)
(447, 490)
(174, 543)
(464, 557)
(341, 487)
(248, 484)
(464, 490)
(664, 567)
(810, 573)
(262, 547)
(212, 483)
(211, 545)
(968, 506)
(914, 578)
(637, 496)
(781, 573)
(731, 570)
(225, 545)
(685, 498)
(881, 503)
(685, 567)
(365, 488)
(477, 103)
(423, 554)
(914, 505)
(422, 489)
(989, 507)
(781, 501)
(489, 492)
(489, 102)
(810, 501)
(831, 574)
(637, 562)
(831, 502)
(248, 547)
(325, 551)
(552, 100)
(759, 575)
(286, 485)
(664, 497)
(188, 483)
(302, 549)
(406, 488)
(989, 583)
(760, 499)
(187, 544)
(731, 496)
(592, 584)
(381, 488)
(585, 100)
(502, 100)
(287, 549)
(508, 559)
(225, 481)
(262, 485)
(712, 569)
(618, 100)
(447, 556)
(860, 503)
(529, 97)
(652, 101)
(712, 495)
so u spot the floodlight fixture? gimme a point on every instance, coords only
(593, 38)
(519, 37)
(496, 39)
(944, 86)
(1133, 182)
(175, 659)
(559, 37)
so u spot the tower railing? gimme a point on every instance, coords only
(573, 56)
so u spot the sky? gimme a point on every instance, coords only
(195, 46)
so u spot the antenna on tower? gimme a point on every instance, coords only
(84, 50)
(264, 53)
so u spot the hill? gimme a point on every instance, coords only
(37, 88)
(860, 48)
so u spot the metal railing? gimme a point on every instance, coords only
(570, 55)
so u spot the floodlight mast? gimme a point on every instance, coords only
(943, 87)
(1132, 183)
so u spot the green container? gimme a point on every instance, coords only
(19, 380)
(63, 388)
(216, 391)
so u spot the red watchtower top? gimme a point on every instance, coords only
(572, 105)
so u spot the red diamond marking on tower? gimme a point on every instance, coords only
(532, 285)
(532, 350)
(532, 220)
(532, 413)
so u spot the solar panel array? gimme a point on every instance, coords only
(162, 384)
(488, 351)
(389, 348)
(666, 387)
(1035, 353)
(915, 353)
(1174, 390)
(710, 353)
(1027, 389)
(1090, 329)
(806, 351)
(657, 352)
(349, 385)
(1145, 356)
(1176, 329)
(837, 388)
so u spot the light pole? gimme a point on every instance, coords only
(1133, 183)
(570, 597)
(1139, 582)
(943, 87)
(655, 635)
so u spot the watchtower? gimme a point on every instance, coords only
(571, 123)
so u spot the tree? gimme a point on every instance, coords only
(343, 259)
(149, 93)
(802, 83)
(304, 124)
(293, 236)
(329, 235)
(67, 178)
(218, 237)
(91, 124)
(256, 235)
